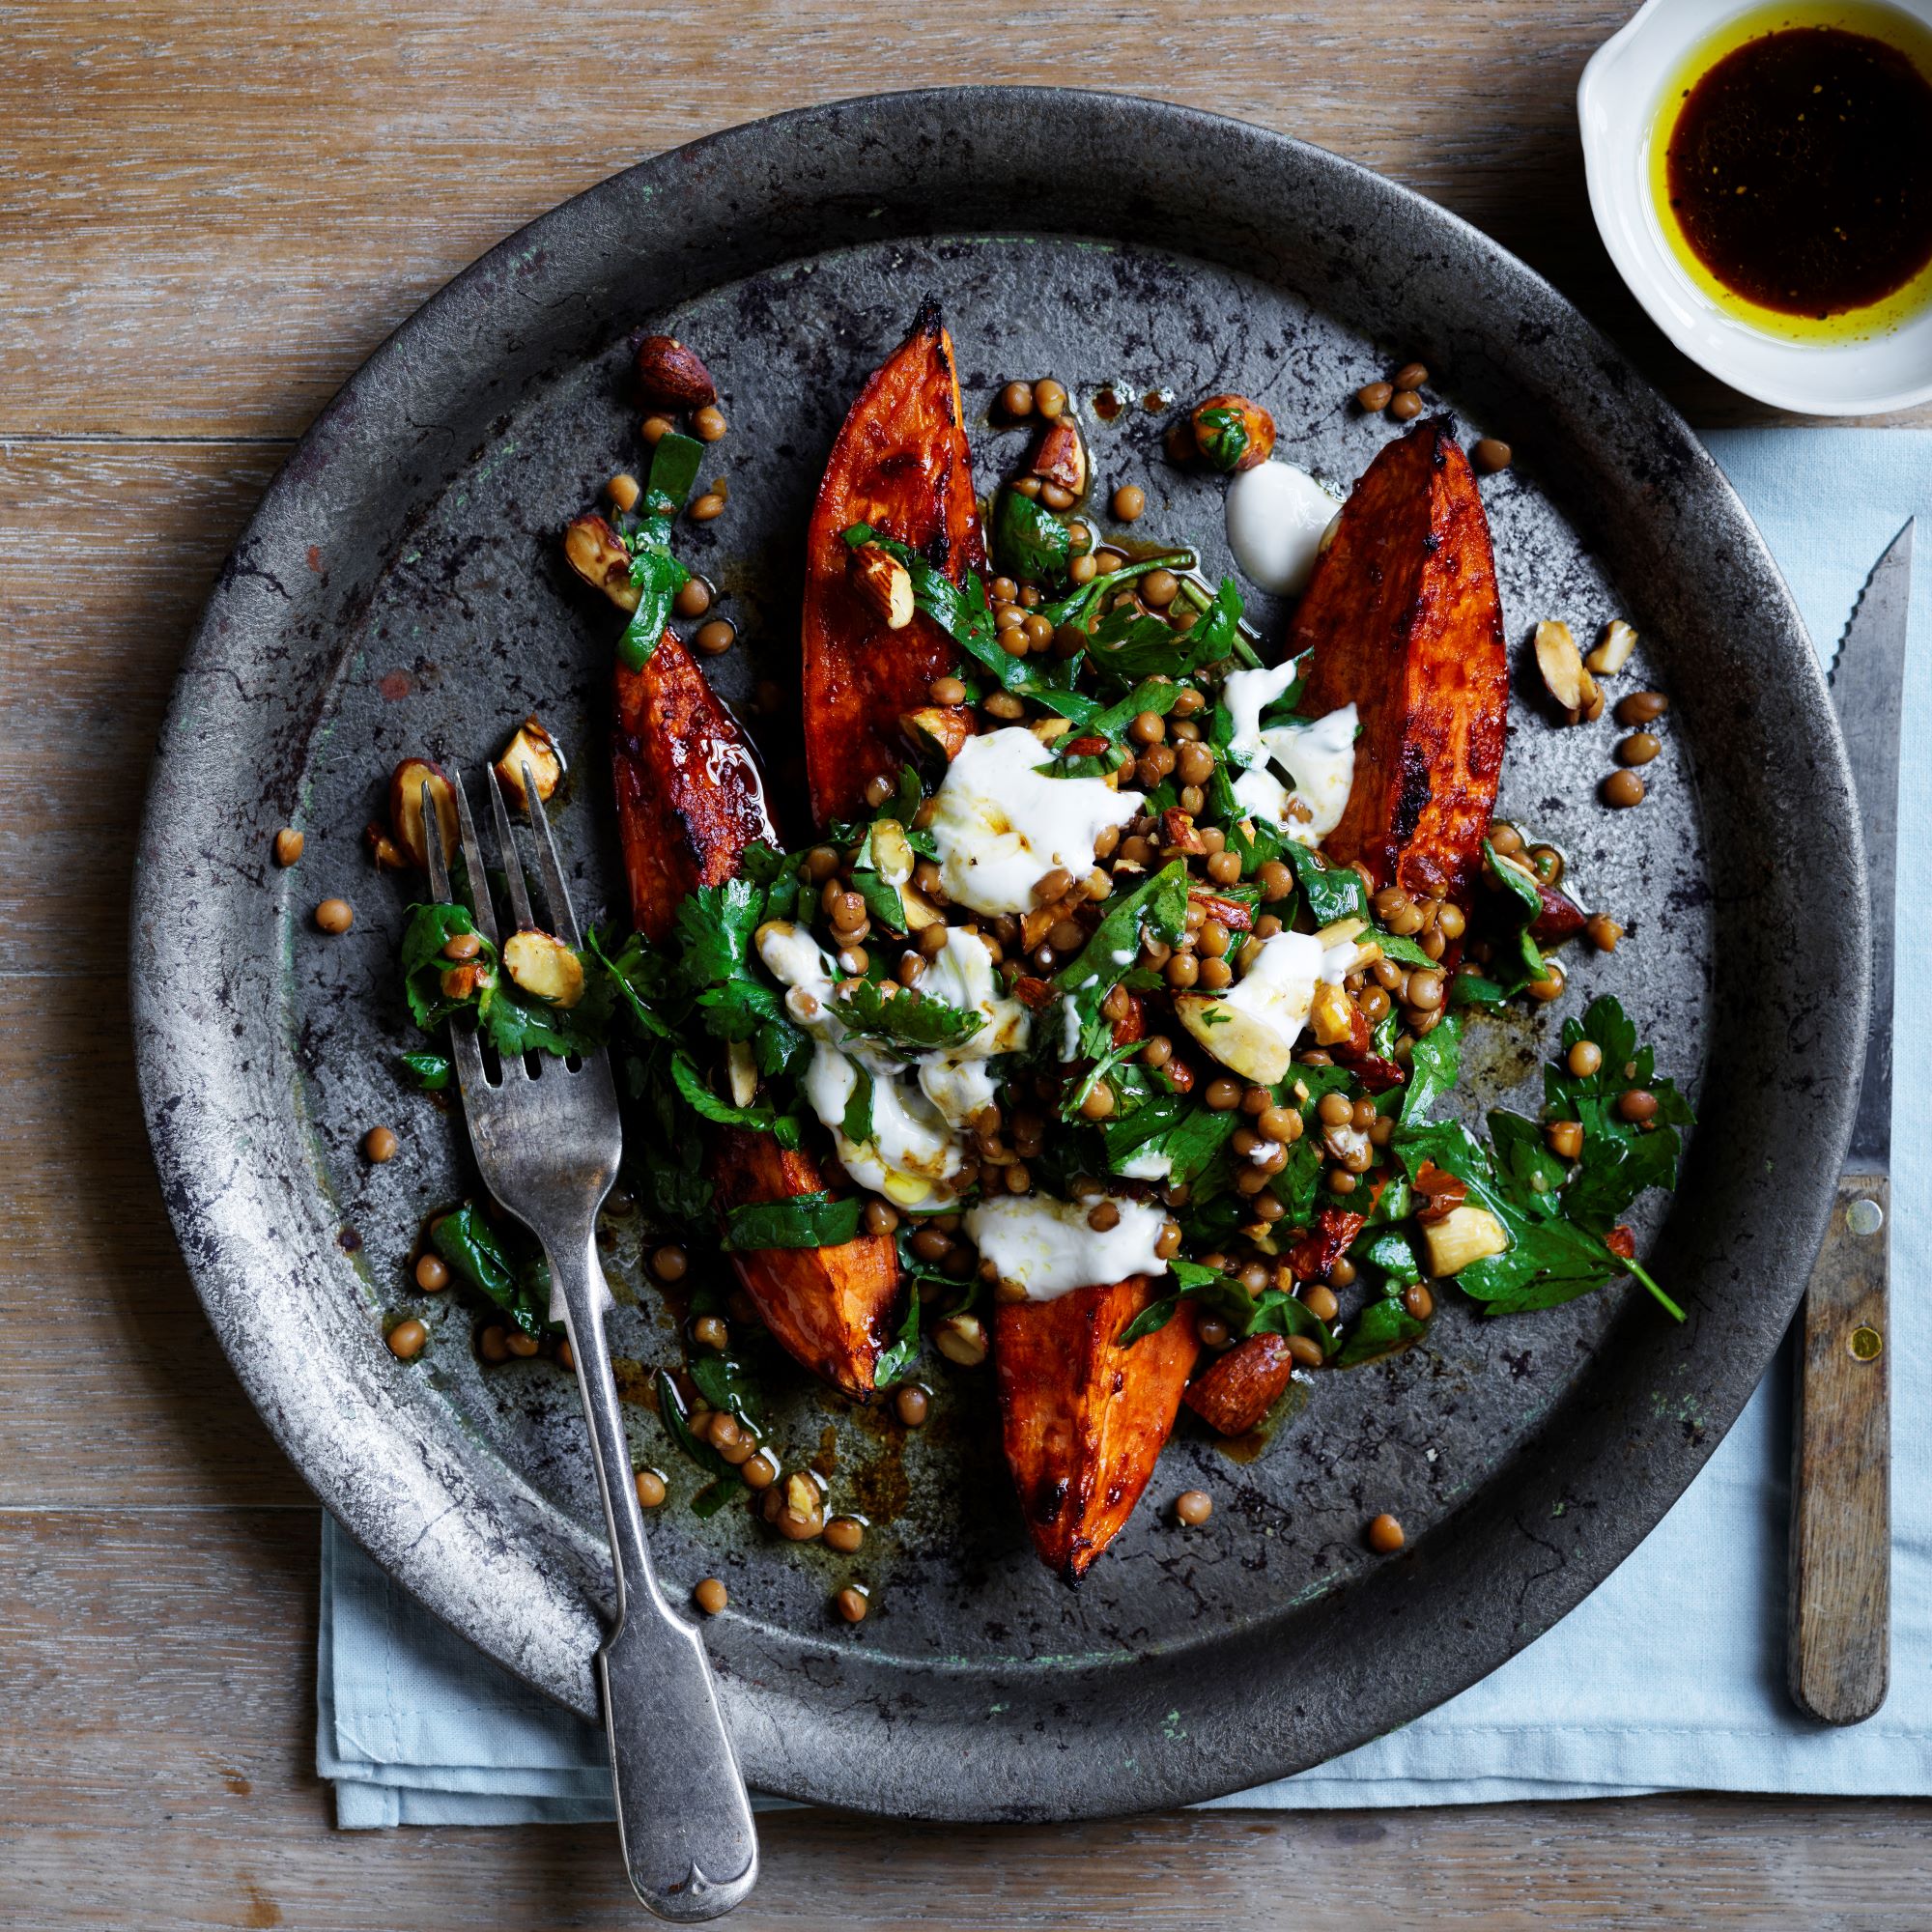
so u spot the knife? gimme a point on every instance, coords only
(1838, 1600)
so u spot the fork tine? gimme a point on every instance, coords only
(438, 871)
(473, 859)
(513, 862)
(562, 914)
(463, 1051)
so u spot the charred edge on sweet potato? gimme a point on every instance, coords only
(1404, 621)
(689, 799)
(1083, 1420)
(901, 464)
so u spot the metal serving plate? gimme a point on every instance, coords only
(401, 589)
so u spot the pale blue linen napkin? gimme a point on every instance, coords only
(1670, 1676)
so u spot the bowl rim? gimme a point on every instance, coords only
(1611, 208)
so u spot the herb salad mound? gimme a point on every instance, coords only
(1337, 1173)
(1110, 1029)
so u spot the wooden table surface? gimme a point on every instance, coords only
(210, 215)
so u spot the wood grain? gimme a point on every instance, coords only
(156, 1753)
(1839, 1596)
(213, 211)
(209, 216)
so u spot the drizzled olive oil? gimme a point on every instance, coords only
(1790, 163)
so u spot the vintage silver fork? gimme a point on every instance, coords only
(547, 1145)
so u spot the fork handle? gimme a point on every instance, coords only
(683, 1814)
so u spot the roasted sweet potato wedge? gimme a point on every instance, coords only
(1403, 619)
(829, 1308)
(1234, 1395)
(690, 800)
(1083, 1418)
(902, 464)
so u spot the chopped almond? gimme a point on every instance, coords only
(545, 968)
(598, 554)
(406, 810)
(1465, 1234)
(532, 746)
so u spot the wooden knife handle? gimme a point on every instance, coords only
(1839, 1601)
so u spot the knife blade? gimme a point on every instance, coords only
(1868, 693)
(1839, 1594)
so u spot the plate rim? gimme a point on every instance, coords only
(547, 1633)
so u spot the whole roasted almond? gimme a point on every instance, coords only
(1231, 433)
(884, 584)
(671, 372)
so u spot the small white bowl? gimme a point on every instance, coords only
(1618, 102)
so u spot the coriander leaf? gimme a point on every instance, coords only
(1616, 1167)
(1433, 1063)
(1299, 1181)
(857, 1124)
(1080, 604)
(1620, 1157)
(702, 1101)
(638, 975)
(713, 929)
(658, 577)
(1400, 948)
(1189, 1134)
(726, 1385)
(1191, 1279)
(1155, 695)
(654, 571)
(666, 1164)
(1535, 1174)
(800, 1221)
(1382, 1327)
(1521, 884)
(674, 465)
(1157, 906)
(670, 1412)
(896, 1361)
(1127, 644)
(882, 899)
(1478, 990)
(431, 1072)
(1029, 541)
(429, 927)
(1272, 1313)
(1392, 1251)
(908, 1020)
(962, 612)
(506, 1266)
(1331, 892)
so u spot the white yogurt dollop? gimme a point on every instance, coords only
(1000, 824)
(1318, 758)
(1048, 1248)
(1276, 514)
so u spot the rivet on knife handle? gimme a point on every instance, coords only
(1840, 1587)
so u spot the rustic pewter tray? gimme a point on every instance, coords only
(399, 590)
